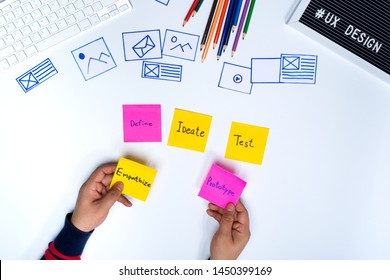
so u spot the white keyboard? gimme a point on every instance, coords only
(28, 27)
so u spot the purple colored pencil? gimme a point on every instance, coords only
(240, 26)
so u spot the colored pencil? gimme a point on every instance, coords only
(220, 23)
(192, 8)
(212, 29)
(227, 38)
(197, 8)
(248, 19)
(226, 28)
(236, 15)
(207, 28)
(240, 26)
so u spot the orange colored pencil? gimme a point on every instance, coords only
(190, 11)
(220, 23)
(212, 29)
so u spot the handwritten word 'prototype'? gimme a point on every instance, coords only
(217, 185)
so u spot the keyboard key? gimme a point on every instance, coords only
(97, 6)
(79, 15)
(70, 19)
(15, 4)
(9, 39)
(27, 7)
(79, 4)
(62, 24)
(108, 2)
(43, 21)
(3, 31)
(52, 17)
(12, 60)
(123, 8)
(44, 32)
(18, 35)
(61, 13)
(59, 37)
(35, 37)
(18, 12)
(10, 16)
(26, 30)
(63, 2)
(35, 3)
(94, 19)
(53, 28)
(35, 26)
(2, 43)
(4, 64)
(27, 18)
(18, 46)
(27, 41)
(21, 56)
(31, 50)
(105, 17)
(70, 9)
(46, 9)
(36, 14)
(54, 5)
(7, 51)
(87, 2)
(7, 9)
(2, 20)
(114, 12)
(19, 22)
(10, 27)
(88, 11)
(85, 24)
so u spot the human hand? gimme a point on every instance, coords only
(95, 198)
(233, 233)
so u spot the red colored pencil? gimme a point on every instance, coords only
(221, 20)
(190, 11)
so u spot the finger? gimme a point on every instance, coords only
(215, 208)
(112, 195)
(242, 215)
(227, 219)
(103, 170)
(122, 199)
(107, 180)
(217, 216)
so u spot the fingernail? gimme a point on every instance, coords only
(119, 186)
(230, 207)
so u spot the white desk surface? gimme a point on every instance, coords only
(322, 191)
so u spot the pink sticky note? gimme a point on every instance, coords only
(221, 187)
(141, 123)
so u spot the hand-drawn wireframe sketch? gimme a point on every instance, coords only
(94, 59)
(235, 77)
(287, 69)
(180, 45)
(162, 71)
(37, 75)
(165, 2)
(141, 45)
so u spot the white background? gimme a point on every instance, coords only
(322, 191)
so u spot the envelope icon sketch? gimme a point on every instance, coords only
(152, 70)
(144, 46)
(290, 63)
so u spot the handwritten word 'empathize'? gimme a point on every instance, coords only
(119, 172)
(222, 188)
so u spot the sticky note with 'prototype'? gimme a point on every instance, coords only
(136, 178)
(221, 187)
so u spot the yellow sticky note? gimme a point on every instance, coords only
(246, 143)
(189, 130)
(136, 178)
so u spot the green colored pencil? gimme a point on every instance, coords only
(197, 7)
(248, 19)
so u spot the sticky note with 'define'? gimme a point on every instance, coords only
(221, 187)
(136, 178)
(189, 130)
(246, 143)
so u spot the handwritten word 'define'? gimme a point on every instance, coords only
(188, 130)
(217, 185)
(119, 172)
(140, 123)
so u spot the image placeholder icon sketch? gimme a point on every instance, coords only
(142, 45)
(94, 59)
(180, 45)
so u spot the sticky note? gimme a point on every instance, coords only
(136, 178)
(221, 187)
(189, 130)
(246, 143)
(141, 123)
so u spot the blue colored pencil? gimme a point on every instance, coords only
(226, 28)
(236, 15)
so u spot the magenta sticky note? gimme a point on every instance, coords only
(142, 123)
(221, 187)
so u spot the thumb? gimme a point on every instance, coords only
(227, 219)
(112, 195)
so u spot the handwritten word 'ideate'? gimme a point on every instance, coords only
(136, 178)
(142, 123)
(189, 130)
(221, 187)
